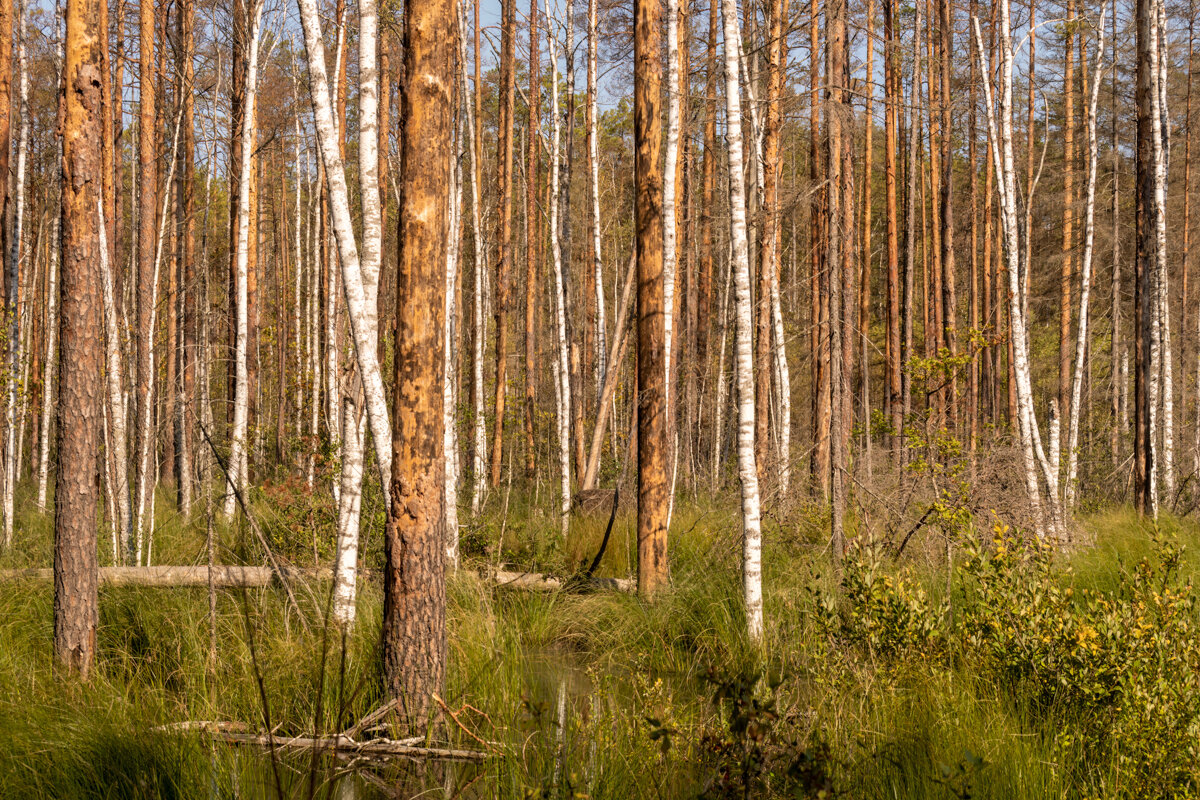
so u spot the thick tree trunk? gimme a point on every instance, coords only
(76, 603)
(414, 598)
(653, 480)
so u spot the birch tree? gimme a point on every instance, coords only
(356, 276)
(1085, 279)
(562, 368)
(744, 346)
(235, 477)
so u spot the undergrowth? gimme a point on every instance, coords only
(1004, 670)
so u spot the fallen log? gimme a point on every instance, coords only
(343, 745)
(224, 575)
(228, 576)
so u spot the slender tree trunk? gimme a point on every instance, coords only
(147, 203)
(1067, 269)
(949, 299)
(1085, 276)
(360, 280)
(414, 596)
(839, 260)
(236, 481)
(865, 254)
(76, 571)
(185, 415)
(894, 406)
(479, 439)
(593, 114)
(704, 305)
(16, 317)
(744, 359)
(449, 329)
(532, 237)
(508, 89)
(563, 367)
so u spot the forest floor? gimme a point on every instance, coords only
(994, 669)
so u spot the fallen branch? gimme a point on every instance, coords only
(338, 744)
(165, 576)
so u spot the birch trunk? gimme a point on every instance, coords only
(562, 370)
(1085, 271)
(353, 428)
(593, 114)
(479, 431)
(1161, 150)
(1031, 444)
(235, 480)
(449, 402)
(16, 354)
(360, 280)
(744, 348)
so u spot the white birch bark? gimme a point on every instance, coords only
(11, 461)
(449, 402)
(235, 480)
(479, 431)
(354, 274)
(1070, 489)
(1160, 340)
(594, 168)
(744, 349)
(353, 429)
(50, 367)
(562, 372)
(148, 467)
(1006, 185)
(784, 382)
(670, 170)
(48, 371)
(118, 437)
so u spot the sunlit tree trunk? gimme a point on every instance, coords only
(146, 295)
(449, 402)
(76, 573)
(236, 479)
(744, 349)
(652, 447)
(360, 280)
(479, 438)
(562, 368)
(185, 414)
(1070, 488)
(533, 229)
(508, 90)
(414, 591)
(593, 114)
(15, 318)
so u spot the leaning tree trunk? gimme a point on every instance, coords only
(744, 349)
(360, 280)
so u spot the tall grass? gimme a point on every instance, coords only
(642, 691)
